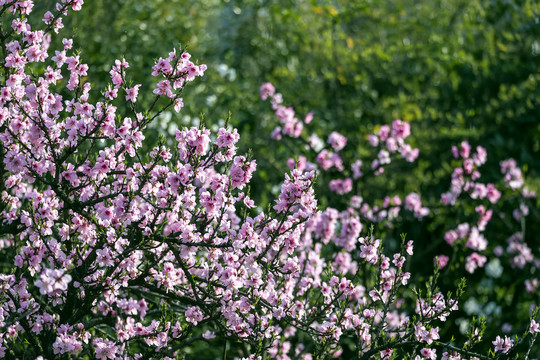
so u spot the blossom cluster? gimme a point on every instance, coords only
(475, 241)
(103, 237)
(112, 252)
(389, 140)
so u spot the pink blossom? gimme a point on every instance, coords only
(474, 261)
(267, 90)
(337, 141)
(384, 132)
(164, 88)
(400, 129)
(429, 353)
(534, 327)
(131, 93)
(241, 171)
(178, 104)
(308, 118)
(341, 186)
(414, 204)
(503, 345)
(441, 261)
(53, 282)
(464, 149)
(105, 349)
(194, 315)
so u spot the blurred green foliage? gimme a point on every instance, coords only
(455, 69)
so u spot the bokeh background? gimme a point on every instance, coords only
(456, 70)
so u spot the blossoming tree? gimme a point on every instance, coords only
(109, 252)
